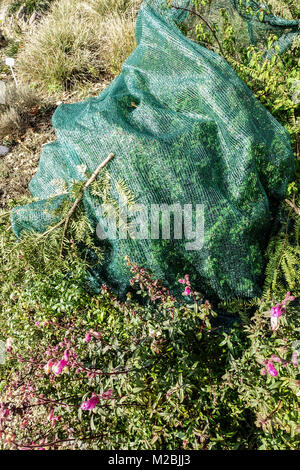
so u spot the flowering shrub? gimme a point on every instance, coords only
(267, 372)
(92, 372)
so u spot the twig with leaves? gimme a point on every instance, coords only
(195, 13)
(65, 220)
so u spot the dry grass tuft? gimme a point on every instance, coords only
(15, 113)
(78, 42)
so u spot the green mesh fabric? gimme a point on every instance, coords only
(184, 129)
(261, 22)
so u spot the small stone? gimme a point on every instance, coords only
(3, 150)
(3, 41)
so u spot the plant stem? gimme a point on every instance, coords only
(195, 13)
(87, 184)
(293, 206)
(65, 221)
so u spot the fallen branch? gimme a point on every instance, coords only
(65, 221)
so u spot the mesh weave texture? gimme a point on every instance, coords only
(184, 129)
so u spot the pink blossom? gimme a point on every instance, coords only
(88, 337)
(37, 323)
(288, 298)
(181, 281)
(271, 369)
(58, 368)
(48, 366)
(53, 419)
(108, 394)
(277, 311)
(90, 404)
(66, 355)
(275, 359)
(295, 358)
(187, 291)
(96, 334)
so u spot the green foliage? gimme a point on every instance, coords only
(283, 255)
(167, 376)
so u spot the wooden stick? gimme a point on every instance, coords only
(87, 184)
(65, 221)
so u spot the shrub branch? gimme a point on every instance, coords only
(65, 221)
(195, 13)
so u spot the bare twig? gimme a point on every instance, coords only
(195, 13)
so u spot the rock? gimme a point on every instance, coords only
(3, 41)
(3, 150)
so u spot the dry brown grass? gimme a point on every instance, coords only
(77, 42)
(19, 166)
(15, 113)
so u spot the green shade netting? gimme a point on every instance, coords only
(185, 130)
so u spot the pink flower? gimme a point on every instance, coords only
(48, 366)
(66, 355)
(295, 358)
(275, 359)
(271, 369)
(288, 298)
(181, 281)
(108, 394)
(58, 368)
(88, 337)
(96, 334)
(53, 419)
(276, 311)
(37, 323)
(187, 291)
(90, 404)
